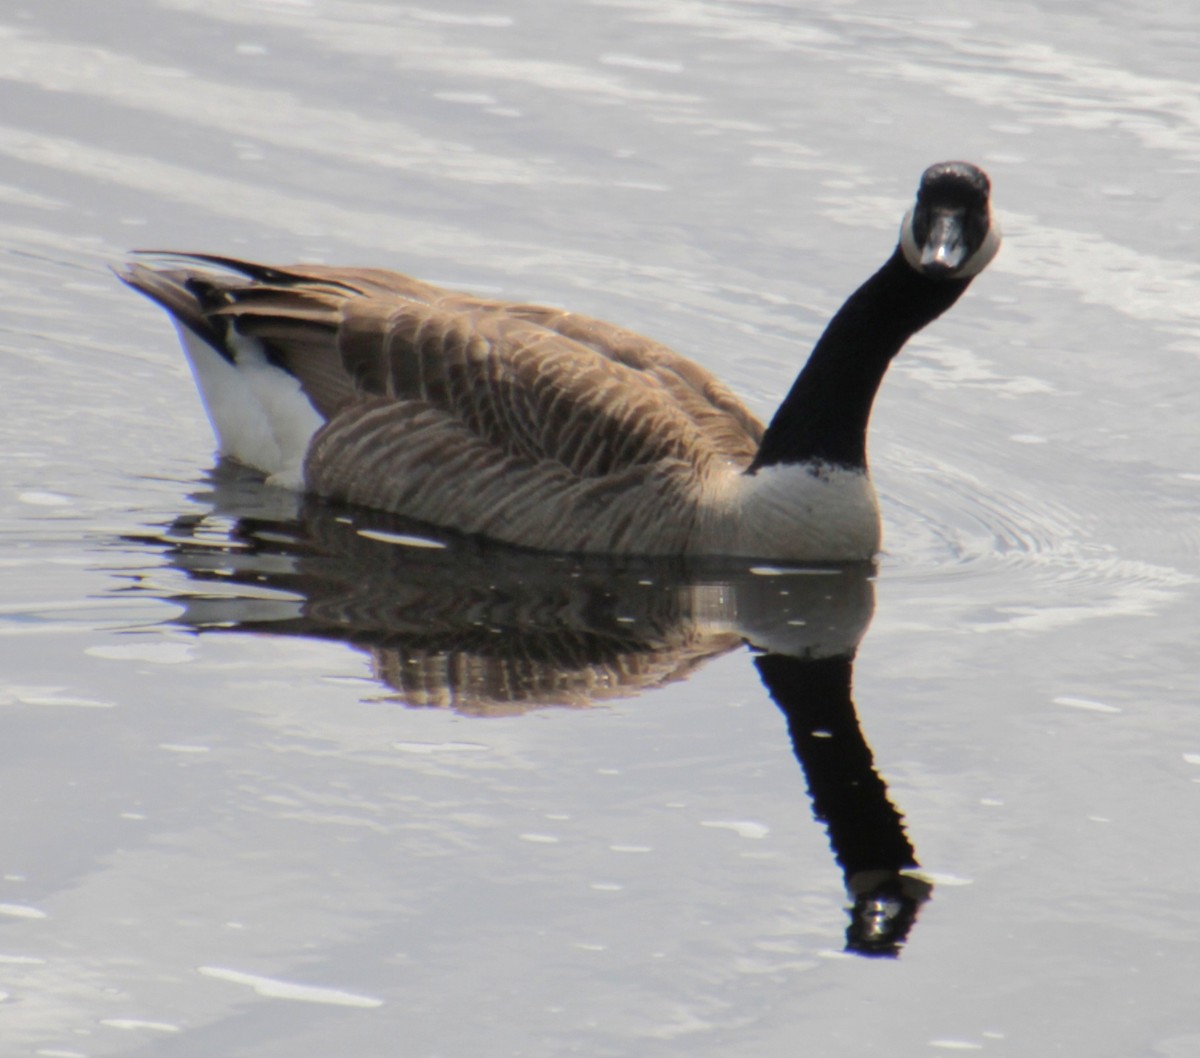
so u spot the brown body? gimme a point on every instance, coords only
(519, 422)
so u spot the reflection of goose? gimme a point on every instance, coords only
(485, 628)
(489, 630)
(550, 430)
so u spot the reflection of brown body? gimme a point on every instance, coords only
(487, 630)
(484, 628)
(483, 684)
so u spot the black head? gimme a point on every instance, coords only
(949, 233)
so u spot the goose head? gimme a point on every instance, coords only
(949, 233)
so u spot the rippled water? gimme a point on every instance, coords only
(280, 783)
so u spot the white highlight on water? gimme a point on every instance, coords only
(424, 748)
(400, 539)
(37, 498)
(742, 828)
(154, 653)
(21, 911)
(47, 697)
(1086, 704)
(274, 988)
(138, 1023)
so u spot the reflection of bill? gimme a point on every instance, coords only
(457, 622)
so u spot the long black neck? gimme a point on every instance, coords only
(824, 417)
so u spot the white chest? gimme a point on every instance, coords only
(797, 513)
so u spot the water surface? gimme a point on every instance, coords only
(492, 807)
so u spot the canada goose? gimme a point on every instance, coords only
(551, 430)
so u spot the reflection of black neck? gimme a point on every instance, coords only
(848, 796)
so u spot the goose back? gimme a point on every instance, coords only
(522, 422)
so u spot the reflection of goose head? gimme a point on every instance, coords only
(481, 627)
(885, 905)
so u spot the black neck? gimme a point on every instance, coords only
(824, 417)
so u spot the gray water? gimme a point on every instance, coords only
(276, 784)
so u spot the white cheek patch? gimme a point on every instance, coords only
(908, 242)
(982, 257)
